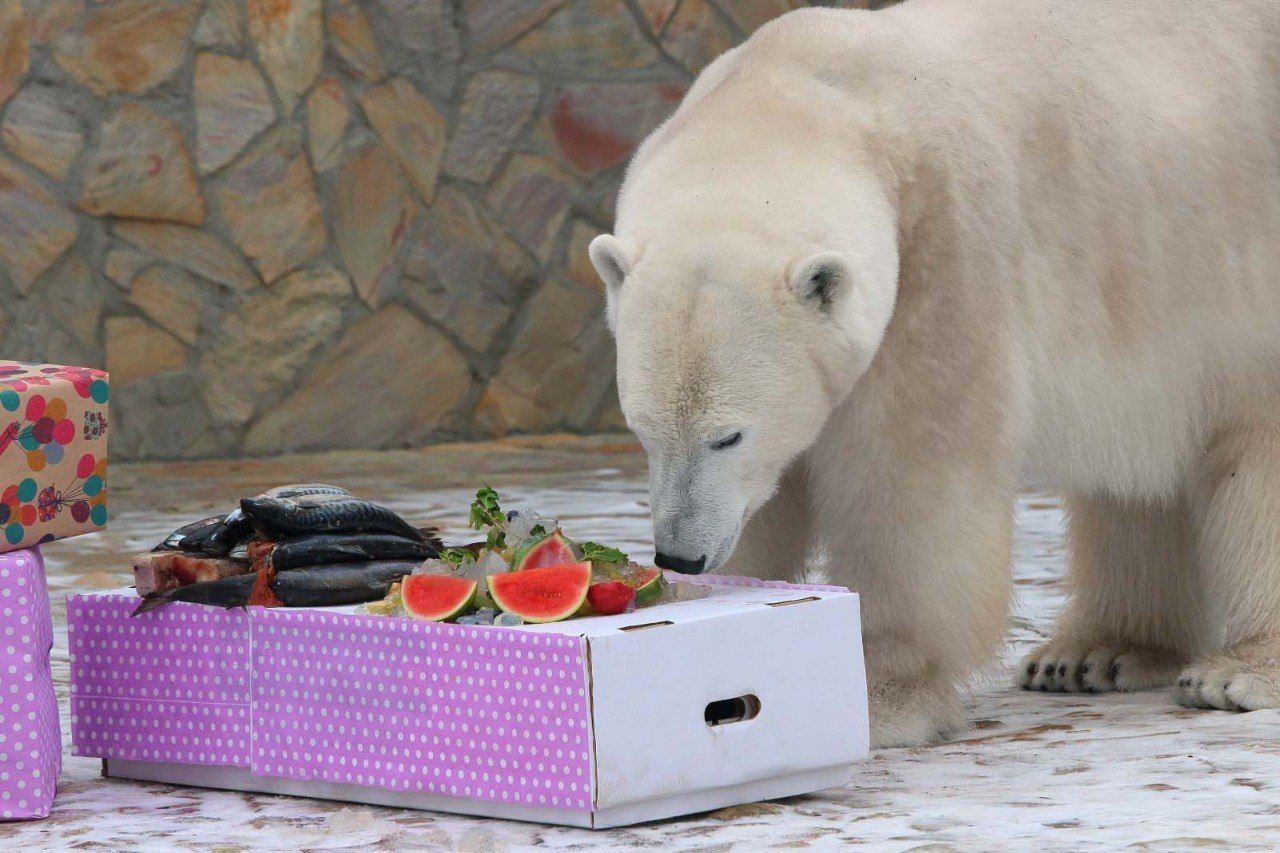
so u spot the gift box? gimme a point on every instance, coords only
(30, 742)
(603, 721)
(53, 452)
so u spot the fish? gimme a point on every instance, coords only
(310, 586)
(285, 518)
(165, 570)
(174, 539)
(220, 535)
(327, 548)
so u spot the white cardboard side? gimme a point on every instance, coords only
(654, 755)
(650, 689)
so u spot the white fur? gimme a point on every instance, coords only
(1056, 234)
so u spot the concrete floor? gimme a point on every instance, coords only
(1036, 770)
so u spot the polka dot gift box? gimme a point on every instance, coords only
(53, 452)
(30, 743)
(595, 722)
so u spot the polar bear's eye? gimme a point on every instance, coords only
(726, 442)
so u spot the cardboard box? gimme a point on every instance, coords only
(30, 738)
(756, 691)
(53, 452)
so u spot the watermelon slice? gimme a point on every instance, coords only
(550, 550)
(648, 583)
(547, 594)
(436, 598)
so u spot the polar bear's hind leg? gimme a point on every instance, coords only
(1237, 505)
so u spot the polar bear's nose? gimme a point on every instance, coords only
(680, 564)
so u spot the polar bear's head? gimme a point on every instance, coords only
(747, 294)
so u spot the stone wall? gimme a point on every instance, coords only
(295, 224)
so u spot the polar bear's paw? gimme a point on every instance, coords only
(1242, 679)
(1067, 667)
(905, 715)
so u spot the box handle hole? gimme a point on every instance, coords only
(723, 712)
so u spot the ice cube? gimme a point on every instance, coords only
(490, 563)
(466, 620)
(520, 523)
(508, 620)
(435, 567)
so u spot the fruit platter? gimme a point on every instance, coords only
(316, 545)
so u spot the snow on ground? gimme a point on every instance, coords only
(1049, 772)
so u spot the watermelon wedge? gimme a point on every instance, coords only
(648, 583)
(546, 594)
(437, 598)
(550, 550)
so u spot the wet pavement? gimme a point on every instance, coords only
(1049, 771)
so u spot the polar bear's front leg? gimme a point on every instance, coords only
(775, 539)
(1134, 615)
(928, 551)
(1237, 509)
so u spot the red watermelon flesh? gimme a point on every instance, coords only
(609, 598)
(436, 598)
(548, 594)
(551, 550)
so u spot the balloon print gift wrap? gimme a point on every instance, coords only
(53, 452)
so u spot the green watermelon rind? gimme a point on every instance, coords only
(464, 605)
(521, 553)
(570, 609)
(651, 590)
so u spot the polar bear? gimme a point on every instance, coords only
(879, 266)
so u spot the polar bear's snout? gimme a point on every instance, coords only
(680, 564)
(696, 520)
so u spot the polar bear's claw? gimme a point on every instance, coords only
(1230, 682)
(1086, 668)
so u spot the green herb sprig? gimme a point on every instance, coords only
(455, 556)
(596, 553)
(486, 513)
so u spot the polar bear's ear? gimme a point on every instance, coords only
(611, 259)
(613, 262)
(822, 278)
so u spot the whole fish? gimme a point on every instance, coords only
(219, 535)
(325, 548)
(312, 586)
(237, 527)
(284, 518)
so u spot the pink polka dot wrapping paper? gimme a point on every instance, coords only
(30, 742)
(478, 713)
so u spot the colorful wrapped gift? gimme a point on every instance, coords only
(30, 742)
(53, 452)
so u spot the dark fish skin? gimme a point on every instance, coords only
(348, 548)
(224, 592)
(340, 583)
(283, 518)
(203, 538)
(312, 586)
(173, 541)
(235, 528)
